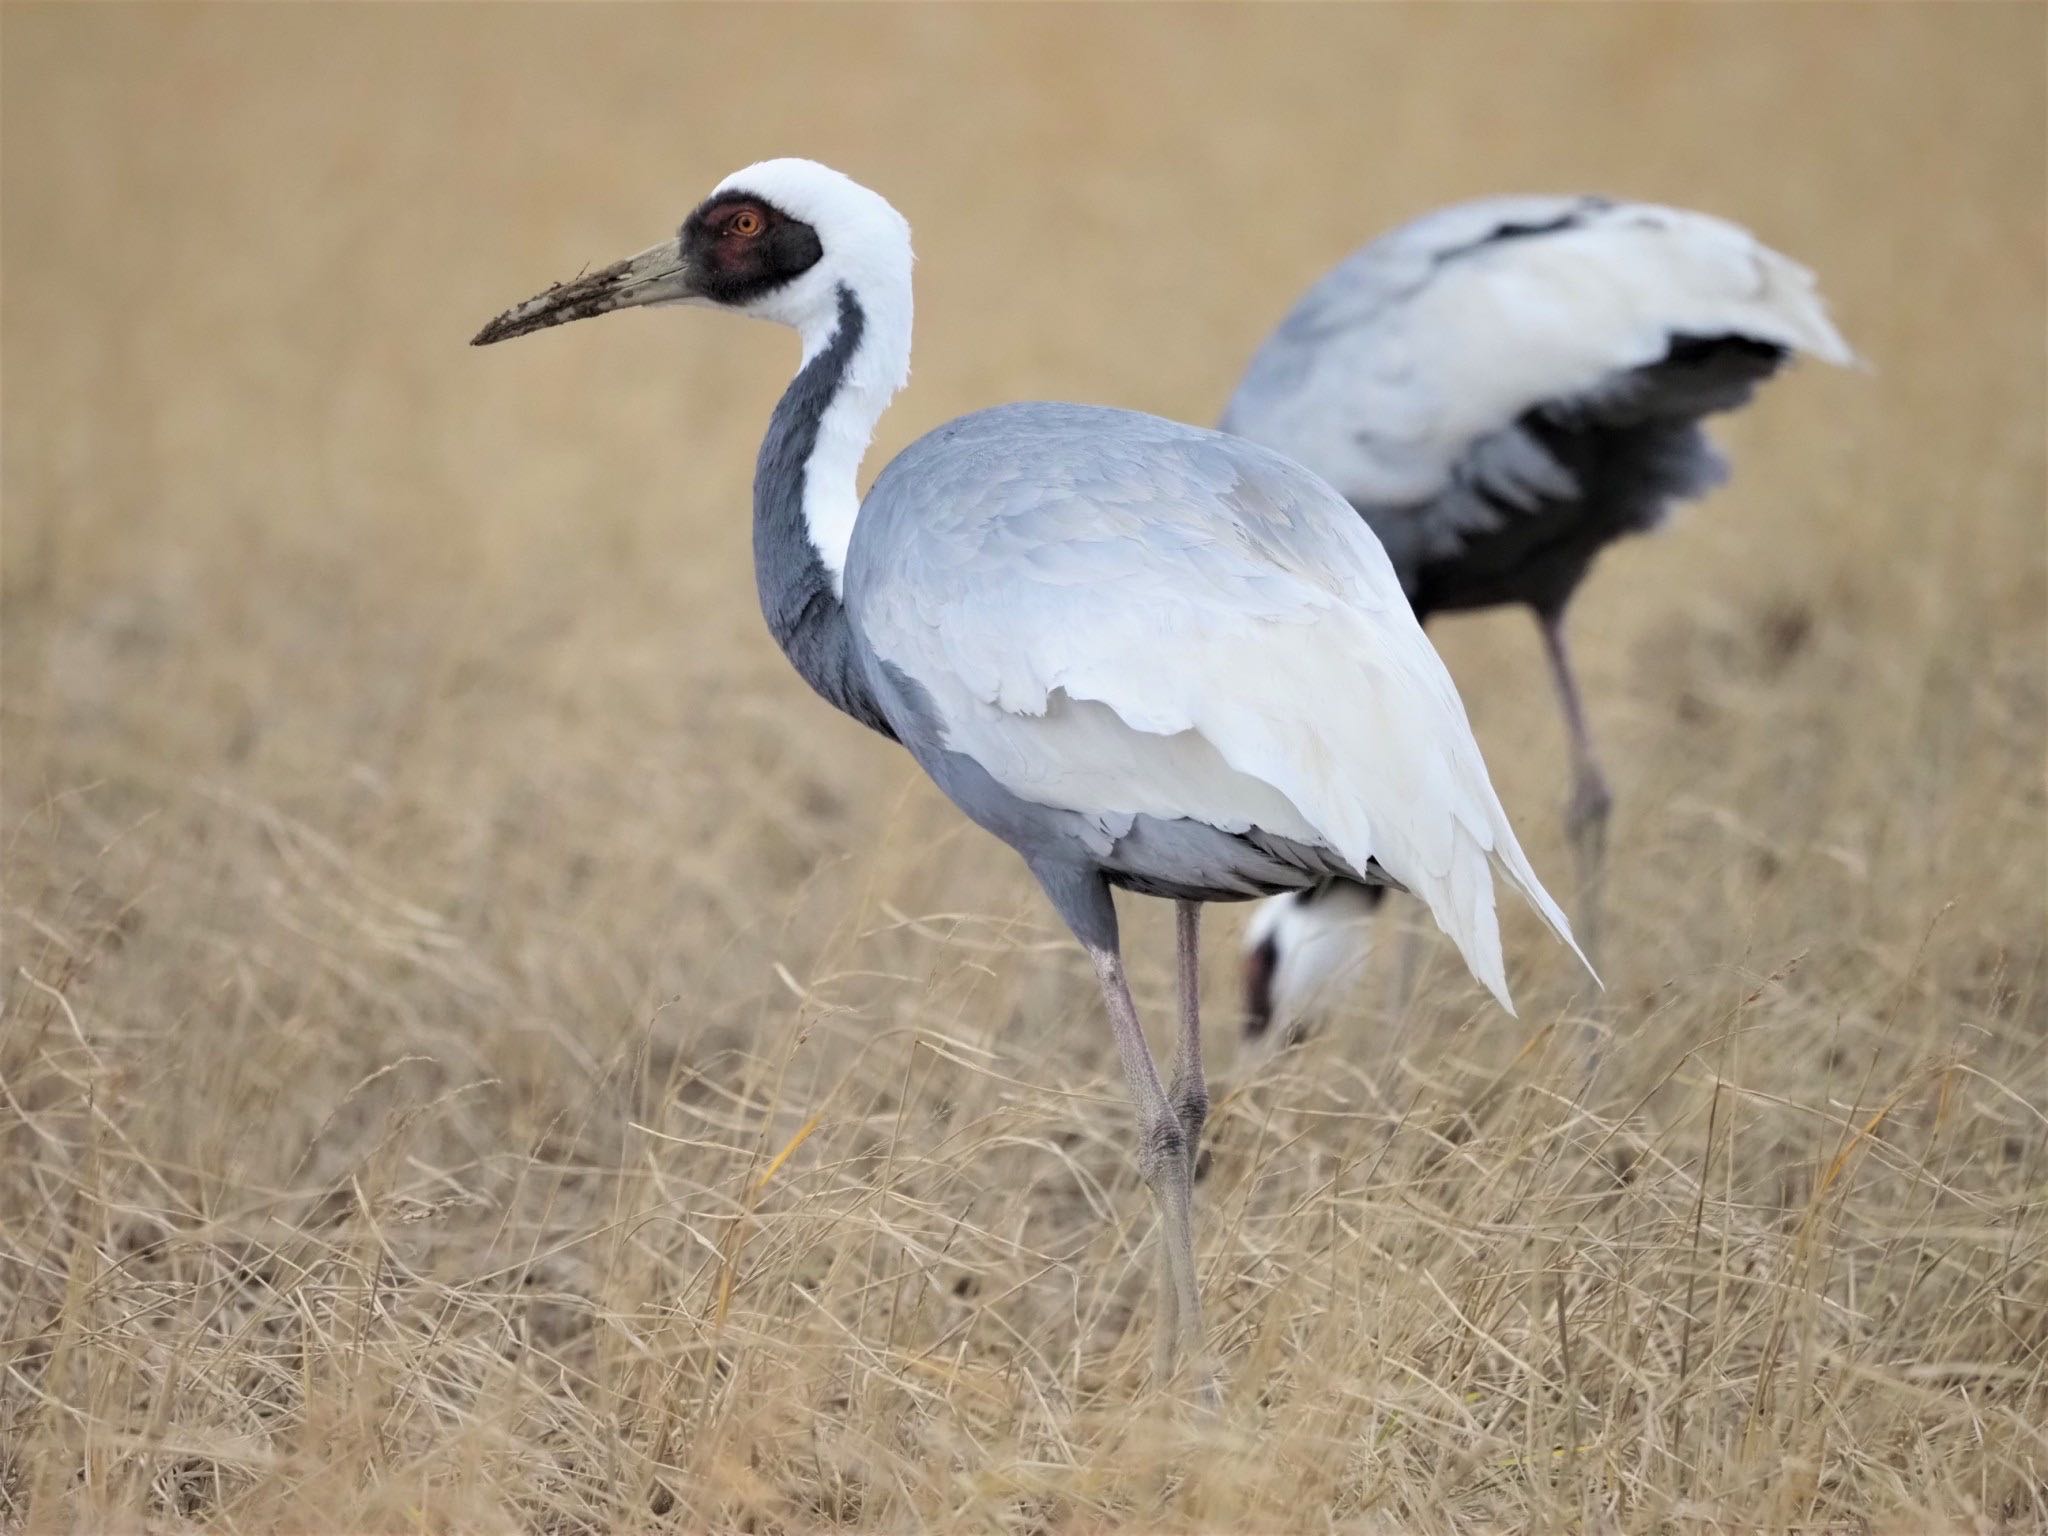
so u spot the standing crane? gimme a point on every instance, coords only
(1142, 654)
(1502, 389)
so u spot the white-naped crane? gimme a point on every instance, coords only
(1143, 654)
(1502, 389)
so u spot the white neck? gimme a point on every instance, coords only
(866, 252)
(880, 365)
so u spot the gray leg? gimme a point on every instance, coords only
(1591, 800)
(1163, 1160)
(1188, 1088)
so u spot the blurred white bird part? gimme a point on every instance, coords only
(1326, 939)
(1503, 388)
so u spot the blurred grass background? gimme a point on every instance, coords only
(433, 908)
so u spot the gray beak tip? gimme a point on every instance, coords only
(535, 314)
(654, 276)
(497, 330)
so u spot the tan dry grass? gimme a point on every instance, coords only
(484, 1048)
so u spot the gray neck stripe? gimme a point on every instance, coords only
(797, 600)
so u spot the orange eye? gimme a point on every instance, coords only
(746, 222)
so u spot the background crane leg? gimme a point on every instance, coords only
(1591, 802)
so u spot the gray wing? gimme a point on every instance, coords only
(1115, 615)
(1403, 376)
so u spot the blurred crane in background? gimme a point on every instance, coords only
(1502, 389)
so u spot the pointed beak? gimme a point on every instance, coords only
(656, 276)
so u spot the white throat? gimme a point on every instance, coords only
(880, 365)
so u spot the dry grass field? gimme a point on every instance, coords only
(485, 1049)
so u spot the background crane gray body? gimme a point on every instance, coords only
(1502, 389)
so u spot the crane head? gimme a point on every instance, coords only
(776, 240)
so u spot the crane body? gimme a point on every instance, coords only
(1073, 619)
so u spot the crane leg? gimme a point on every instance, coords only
(1591, 801)
(1188, 1086)
(1164, 1160)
